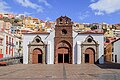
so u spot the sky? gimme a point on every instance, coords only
(81, 11)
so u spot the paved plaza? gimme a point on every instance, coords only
(59, 72)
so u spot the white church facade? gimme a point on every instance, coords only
(63, 45)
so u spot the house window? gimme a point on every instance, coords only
(115, 58)
(112, 49)
(0, 41)
(6, 39)
(12, 41)
(16, 43)
(112, 57)
(9, 50)
(9, 40)
(20, 43)
(6, 50)
(0, 51)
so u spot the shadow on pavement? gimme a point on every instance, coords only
(109, 65)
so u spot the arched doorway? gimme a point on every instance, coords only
(63, 52)
(37, 56)
(90, 56)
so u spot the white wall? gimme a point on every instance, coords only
(50, 42)
(46, 38)
(116, 46)
(79, 38)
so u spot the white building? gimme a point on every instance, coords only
(10, 49)
(63, 45)
(116, 51)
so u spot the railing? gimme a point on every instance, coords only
(12, 60)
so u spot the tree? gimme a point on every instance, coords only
(93, 27)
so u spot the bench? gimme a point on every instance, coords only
(3, 63)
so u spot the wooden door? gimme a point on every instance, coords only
(90, 56)
(35, 59)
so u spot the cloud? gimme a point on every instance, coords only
(83, 15)
(27, 13)
(102, 7)
(99, 13)
(4, 7)
(48, 18)
(28, 4)
(93, 0)
(45, 2)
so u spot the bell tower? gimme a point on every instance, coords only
(63, 40)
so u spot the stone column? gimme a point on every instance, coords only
(43, 55)
(48, 52)
(78, 52)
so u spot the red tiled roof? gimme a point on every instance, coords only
(38, 32)
(116, 40)
(111, 40)
(91, 32)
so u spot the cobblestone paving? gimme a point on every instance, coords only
(57, 72)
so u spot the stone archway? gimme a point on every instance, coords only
(37, 51)
(37, 56)
(63, 53)
(90, 56)
(89, 49)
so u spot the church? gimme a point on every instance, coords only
(63, 45)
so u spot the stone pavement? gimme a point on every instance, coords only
(58, 72)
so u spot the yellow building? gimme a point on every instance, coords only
(109, 33)
(29, 23)
(108, 53)
(32, 26)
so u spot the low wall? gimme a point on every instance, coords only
(12, 60)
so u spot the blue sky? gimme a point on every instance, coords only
(81, 11)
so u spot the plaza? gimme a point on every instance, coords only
(60, 72)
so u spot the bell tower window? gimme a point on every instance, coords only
(66, 21)
(64, 31)
(60, 21)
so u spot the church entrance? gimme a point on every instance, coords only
(89, 56)
(60, 58)
(37, 56)
(63, 55)
(63, 58)
(86, 58)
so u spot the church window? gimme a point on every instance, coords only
(60, 21)
(37, 40)
(89, 40)
(64, 31)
